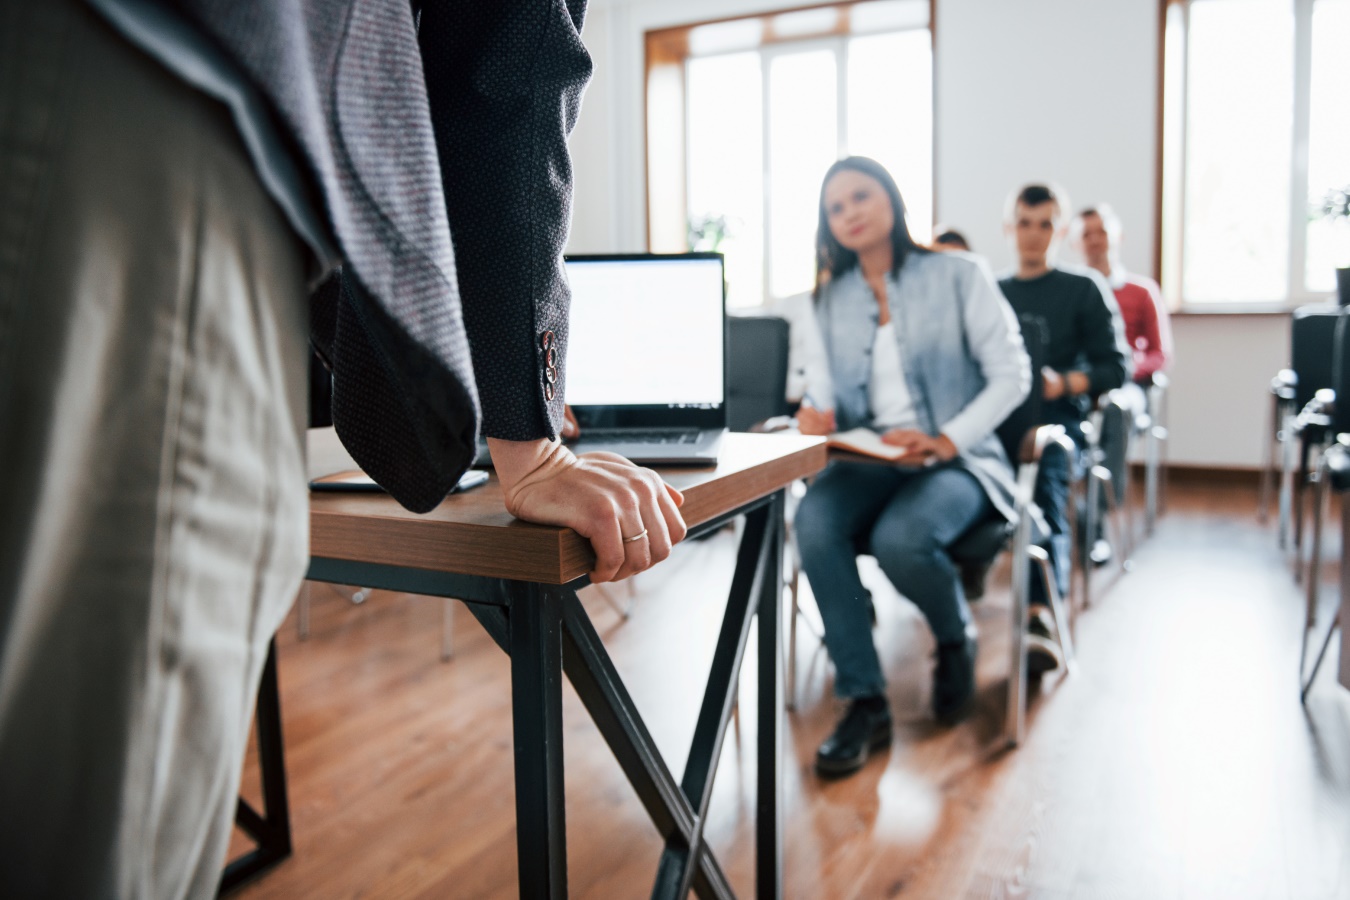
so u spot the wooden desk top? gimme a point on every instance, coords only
(472, 534)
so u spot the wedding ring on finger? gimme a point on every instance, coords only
(637, 537)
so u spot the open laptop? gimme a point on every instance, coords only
(646, 362)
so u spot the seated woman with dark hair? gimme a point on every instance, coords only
(922, 348)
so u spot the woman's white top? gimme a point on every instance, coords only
(888, 393)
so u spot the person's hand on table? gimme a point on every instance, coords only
(629, 514)
(814, 421)
(920, 447)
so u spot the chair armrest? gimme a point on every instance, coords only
(1318, 412)
(1284, 383)
(1338, 467)
(1037, 440)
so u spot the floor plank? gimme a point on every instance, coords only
(1177, 763)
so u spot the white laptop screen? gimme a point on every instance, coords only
(647, 332)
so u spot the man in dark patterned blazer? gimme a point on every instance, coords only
(189, 191)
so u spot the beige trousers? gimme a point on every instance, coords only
(153, 512)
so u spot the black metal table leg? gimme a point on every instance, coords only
(679, 861)
(546, 632)
(271, 830)
(768, 794)
(535, 615)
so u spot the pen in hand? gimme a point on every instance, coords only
(813, 420)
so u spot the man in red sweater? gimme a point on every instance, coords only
(1096, 232)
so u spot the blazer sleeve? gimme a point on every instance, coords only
(504, 81)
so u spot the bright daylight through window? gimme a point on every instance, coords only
(1257, 145)
(768, 104)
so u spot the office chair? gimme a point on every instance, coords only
(1331, 474)
(757, 353)
(1312, 341)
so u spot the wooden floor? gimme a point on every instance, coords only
(1177, 763)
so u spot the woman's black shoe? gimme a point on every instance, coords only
(954, 681)
(864, 728)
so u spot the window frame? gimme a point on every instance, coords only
(1173, 280)
(671, 46)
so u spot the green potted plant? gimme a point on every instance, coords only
(708, 231)
(1336, 209)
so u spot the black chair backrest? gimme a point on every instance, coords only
(1340, 374)
(757, 354)
(1312, 340)
(1030, 413)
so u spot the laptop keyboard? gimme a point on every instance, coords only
(629, 436)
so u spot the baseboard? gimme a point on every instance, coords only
(1186, 473)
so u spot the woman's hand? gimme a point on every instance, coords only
(815, 421)
(920, 447)
(602, 496)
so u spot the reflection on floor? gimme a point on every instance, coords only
(1177, 763)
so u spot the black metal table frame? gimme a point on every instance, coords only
(546, 632)
(270, 829)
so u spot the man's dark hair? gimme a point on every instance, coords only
(1036, 194)
(833, 258)
(952, 238)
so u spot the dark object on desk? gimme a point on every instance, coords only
(356, 480)
(757, 366)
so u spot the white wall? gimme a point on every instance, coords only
(1058, 90)
(1034, 89)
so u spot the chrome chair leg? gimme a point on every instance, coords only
(1268, 459)
(1089, 533)
(1156, 436)
(794, 612)
(1063, 634)
(1286, 477)
(1077, 577)
(1160, 421)
(1126, 500)
(1118, 519)
(1015, 720)
(1318, 477)
(625, 610)
(356, 597)
(1314, 580)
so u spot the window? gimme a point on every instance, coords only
(745, 116)
(1256, 133)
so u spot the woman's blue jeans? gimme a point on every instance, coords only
(906, 518)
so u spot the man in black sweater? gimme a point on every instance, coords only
(1086, 356)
